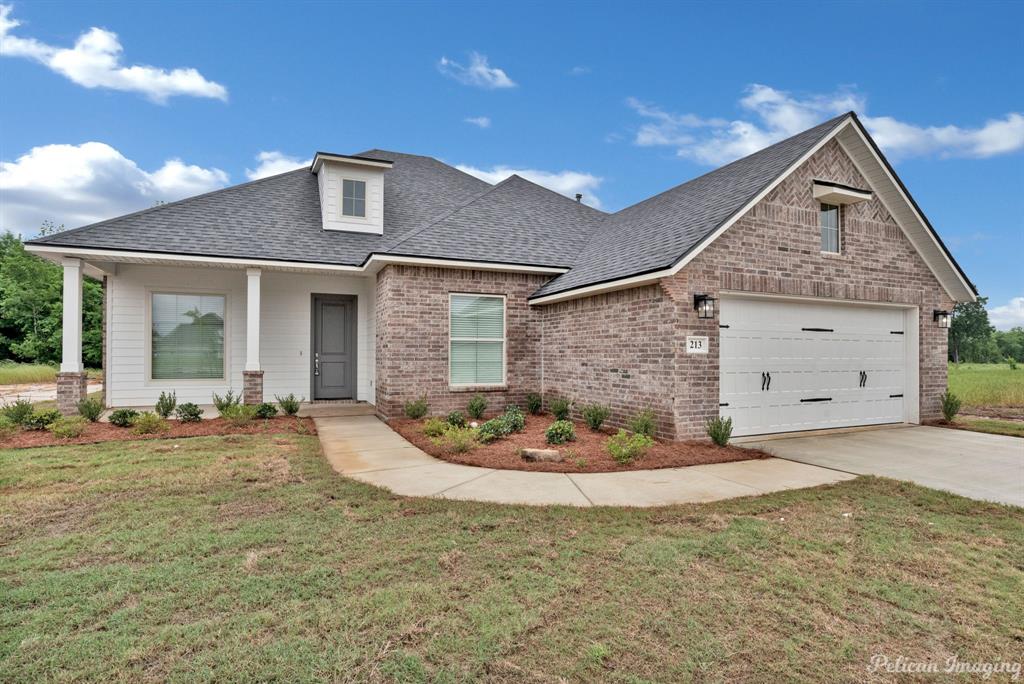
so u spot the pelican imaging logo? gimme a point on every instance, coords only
(951, 665)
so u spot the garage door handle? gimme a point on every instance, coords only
(769, 382)
(808, 401)
(763, 378)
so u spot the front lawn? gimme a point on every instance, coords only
(246, 558)
(987, 384)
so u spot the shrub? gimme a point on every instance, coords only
(476, 406)
(625, 447)
(226, 402)
(7, 427)
(534, 403)
(560, 432)
(560, 408)
(40, 420)
(166, 403)
(719, 430)
(595, 415)
(514, 419)
(90, 408)
(189, 412)
(493, 429)
(238, 415)
(289, 404)
(149, 423)
(1012, 361)
(459, 440)
(435, 427)
(950, 406)
(643, 423)
(417, 409)
(18, 411)
(68, 427)
(123, 417)
(265, 410)
(456, 419)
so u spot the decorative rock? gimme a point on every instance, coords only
(541, 455)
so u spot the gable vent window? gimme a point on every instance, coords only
(830, 228)
(477, 345)
(353, 198)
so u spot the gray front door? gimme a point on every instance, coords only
(334, 346)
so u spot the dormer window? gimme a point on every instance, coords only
(353, 198)
(830, 218)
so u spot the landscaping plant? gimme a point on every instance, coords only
(289, 404)
(559, 408)
(456, 419)
(457, 440)
(514, 418)
(719, 430)
(68, 427)
(227, 401)
(476, 406)
(950, 405)
(189, 412)
(40, 420)
(265, 410)
(18, 411)
(626, 448)
(123, 417)
(8, 427)
(534, 403)
(166, 403)
(417, 409)
(149, 423)
(560, 432)
(643, 423)
(90, 408)
(238, 415)
(435, 427)
(595, 415)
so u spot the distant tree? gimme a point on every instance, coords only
(50, 228)
(1010, 343)
(970, 333)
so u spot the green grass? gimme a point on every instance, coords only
(993, 426)
(31, 373)
(987, 384)
(247, 558)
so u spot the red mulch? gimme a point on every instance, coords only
(105, 432)
(589, 446)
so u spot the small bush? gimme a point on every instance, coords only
(289, 404)
(495, 428)
(417, 409)
(165, 404)
(238, 415)
(90, 408)
(595, 415)
(149, 423)
(68, 427)
(123, 417)
(189, 412)
(560, 408)
(626, 448)
(476, 406)
(534, 403)
(560, 432)
(40, 420)
(8, 427)
(17, 411)
(719, 430)
(514, 419)
(435, 427)
(265, 410)
(226, 402)
(643, 423)
(458, 440)
(1012, 361)
(950, 406)
(456, 419)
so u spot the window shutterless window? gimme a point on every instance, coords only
(477, 340)
(187, 336)
(353, 198)
(830, 228)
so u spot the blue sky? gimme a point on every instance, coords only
(111, 107)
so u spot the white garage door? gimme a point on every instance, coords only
(788, 366)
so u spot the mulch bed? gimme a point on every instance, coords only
(586, 455)
(105, 432)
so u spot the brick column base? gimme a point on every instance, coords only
(252, 387)
(71, 389)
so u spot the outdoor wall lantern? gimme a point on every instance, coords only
(704, 305)
(941, 318)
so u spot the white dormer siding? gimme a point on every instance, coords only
(332, 171)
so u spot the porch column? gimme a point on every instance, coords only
(71, 380)
(252, 376)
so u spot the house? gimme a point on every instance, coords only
(798, 288)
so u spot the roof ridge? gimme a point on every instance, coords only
(429, 157)
(557, 194)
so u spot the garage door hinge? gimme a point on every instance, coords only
(895, 396)
(817, 329)
(895, 332)
(722, 326)
(816, 399)
(725, 404)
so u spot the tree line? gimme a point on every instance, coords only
(972, 339)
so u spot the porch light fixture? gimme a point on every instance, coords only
(704, 305)
(941, 318)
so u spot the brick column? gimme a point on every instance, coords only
(71, 389)
(252, 387)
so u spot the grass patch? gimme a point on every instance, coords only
(987, 384)
(993, 426)
(246, 558)
(33, 373)
(47, 404)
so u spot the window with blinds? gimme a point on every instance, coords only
(477, 340)
(187, 336)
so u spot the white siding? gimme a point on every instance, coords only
(285, 310)
(329, 181)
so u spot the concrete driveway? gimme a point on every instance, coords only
(980, 466)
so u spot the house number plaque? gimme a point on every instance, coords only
(696, 345)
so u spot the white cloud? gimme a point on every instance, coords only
(1010, 315)
(579, 71)
(567, 183)
(79, 184)
(95, 62)
(478, 73)
(775, 115)
(274, 162)
(479, 121)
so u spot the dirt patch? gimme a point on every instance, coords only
(971, 428)
(105, 432)
(586, 455)
(1014, 413)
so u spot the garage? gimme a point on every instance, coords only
(789, 364)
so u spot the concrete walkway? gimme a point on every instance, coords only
(365, 449)
(972, 464)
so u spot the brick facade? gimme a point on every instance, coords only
(252, 387)
(71, 389)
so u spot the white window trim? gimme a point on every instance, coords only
(150, 381)
(366, 200)
(504, 340)
(839, 227)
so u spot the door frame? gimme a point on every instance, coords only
(314, 299)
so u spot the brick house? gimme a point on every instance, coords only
(798, 288)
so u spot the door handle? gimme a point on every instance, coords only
(769, 381)
(763, 378)
(316, 363)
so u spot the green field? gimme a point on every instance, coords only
(987, 384)
(247, 559)
(32, 373)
